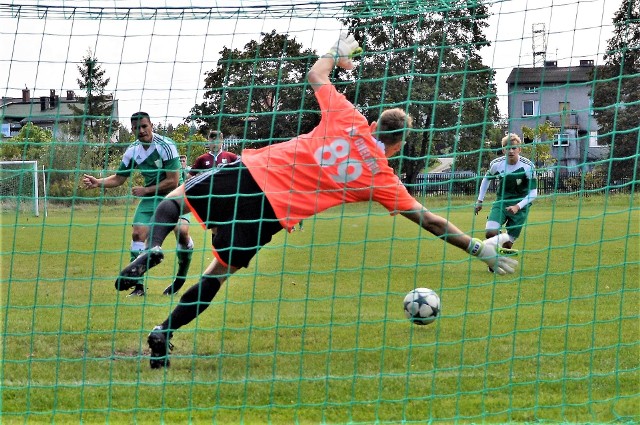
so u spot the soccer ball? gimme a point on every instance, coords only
(422, 306)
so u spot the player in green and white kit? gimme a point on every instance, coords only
(517, 188)
(184, 168)
(157, 159)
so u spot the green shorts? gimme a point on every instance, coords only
(147, 207)
(499, 217)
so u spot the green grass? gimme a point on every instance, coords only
(313, 331)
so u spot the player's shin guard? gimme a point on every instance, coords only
(193, 302)
(163, 222)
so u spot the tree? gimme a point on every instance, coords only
(616, 92)
(539, 149)
(259, 93)
(28, 145)
(94, 122)
(188, 141)
(428, 63)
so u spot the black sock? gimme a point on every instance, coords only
(193, 302)
(163, 222)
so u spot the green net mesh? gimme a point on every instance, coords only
(314, 331)
(19, 186)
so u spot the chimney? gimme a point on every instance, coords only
(550, 64)
(52, 98)
(26, 95)
(70, 95)
(586, 62)
(43, 103)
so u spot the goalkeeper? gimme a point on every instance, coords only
(342, 160)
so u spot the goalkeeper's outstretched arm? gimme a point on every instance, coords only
(488, 250)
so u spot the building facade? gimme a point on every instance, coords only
(51, 112)
(561, 96)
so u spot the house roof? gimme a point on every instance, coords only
(550, 75)
(31, 111)
(8, 100)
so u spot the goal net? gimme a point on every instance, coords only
(313, 330)
(19, 186)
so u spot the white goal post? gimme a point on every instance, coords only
(19, 185)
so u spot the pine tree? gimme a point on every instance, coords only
(94, 117)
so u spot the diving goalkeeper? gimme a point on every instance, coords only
(343, 160)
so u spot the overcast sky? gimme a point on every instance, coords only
(157, 65)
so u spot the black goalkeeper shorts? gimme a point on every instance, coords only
(229, 199)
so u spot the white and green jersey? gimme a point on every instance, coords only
(153, 162)
(516, 182)
(184, 174)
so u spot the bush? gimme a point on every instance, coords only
(70, 190)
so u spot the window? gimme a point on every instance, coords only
(561, 139)
(530, 108)
(530, 89)
(596, 140)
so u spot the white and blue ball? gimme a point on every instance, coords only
(422, 306)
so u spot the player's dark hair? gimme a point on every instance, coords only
(213, 134)
(140, 115)
(392, 125)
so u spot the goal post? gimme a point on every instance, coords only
(19, 186)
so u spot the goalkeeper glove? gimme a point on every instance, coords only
(345, 49)
(493, 254)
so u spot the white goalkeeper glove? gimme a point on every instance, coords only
(499, 259)
(345, 49)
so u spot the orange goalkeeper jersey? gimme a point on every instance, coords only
(338, 162)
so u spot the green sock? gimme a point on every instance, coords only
(184, 261)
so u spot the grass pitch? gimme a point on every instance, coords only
(313, 331)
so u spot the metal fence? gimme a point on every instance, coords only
(468, 184)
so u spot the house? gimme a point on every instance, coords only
(560, 95)
(49, 112)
